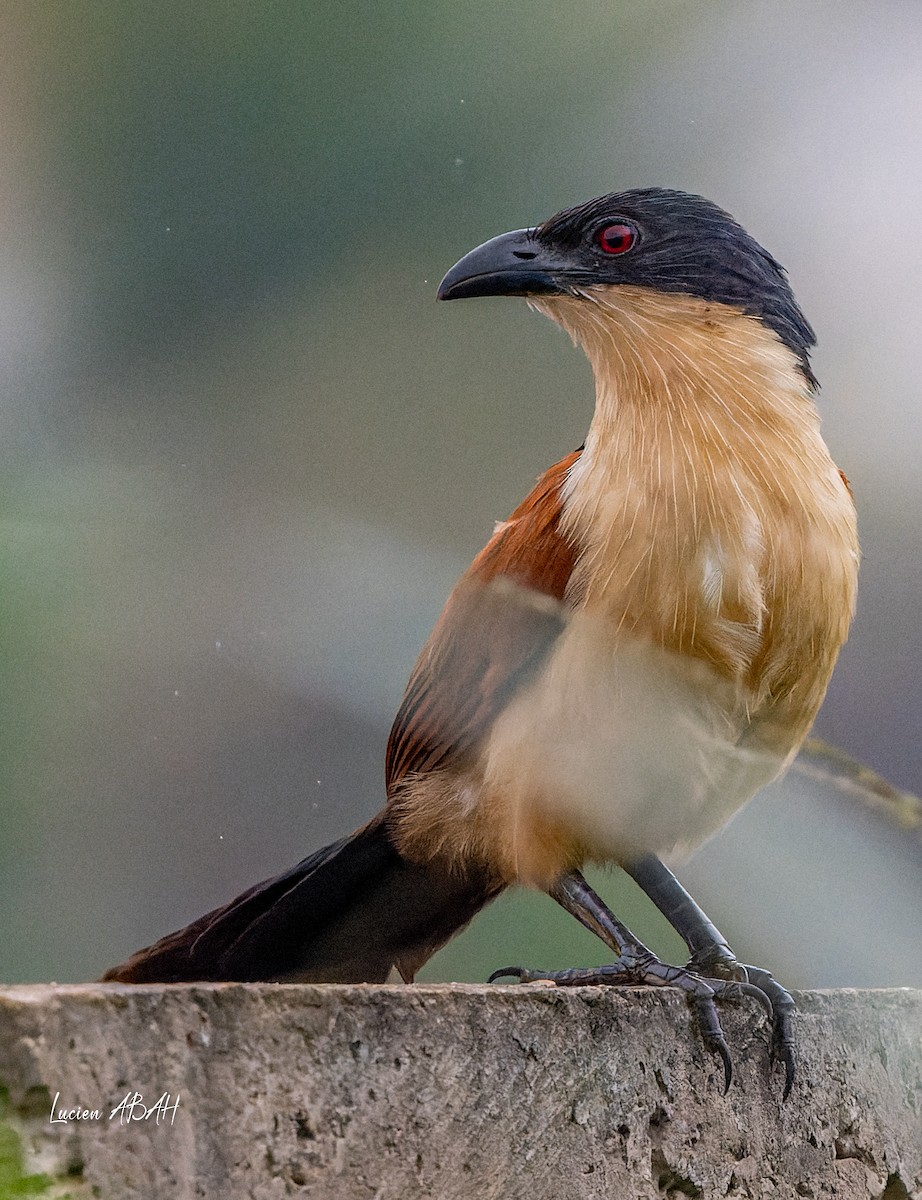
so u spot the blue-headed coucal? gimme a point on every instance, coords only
(642, 645)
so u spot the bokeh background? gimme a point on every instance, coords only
(243, 454)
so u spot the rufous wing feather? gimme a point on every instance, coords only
(499, 623)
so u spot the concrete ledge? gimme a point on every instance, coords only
(375, 1093)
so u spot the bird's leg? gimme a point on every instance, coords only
(635, 965)
(711, 956)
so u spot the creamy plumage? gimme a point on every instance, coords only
(713, 578)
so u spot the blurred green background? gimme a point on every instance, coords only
(244, 453)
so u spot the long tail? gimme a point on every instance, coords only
(349, 913)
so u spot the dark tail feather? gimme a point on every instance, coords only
(347, 914)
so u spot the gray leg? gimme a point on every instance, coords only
(635, 965)
(711, 955)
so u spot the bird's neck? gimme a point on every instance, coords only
(681, 381)
(704, 491)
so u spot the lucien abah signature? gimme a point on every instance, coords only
(130, 1108)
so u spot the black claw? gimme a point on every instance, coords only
(783, 1043)
(750, 989)
(724, 1053)
(515, 972)
(713, 1036)
(790, 1065)
(734, 990)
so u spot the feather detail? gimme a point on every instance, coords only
(497, 624)
(647, 639)
(709, 601)
(529, 547)
(713, 520)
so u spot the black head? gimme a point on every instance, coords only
(651, 237)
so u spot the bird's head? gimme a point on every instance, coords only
(651, 240)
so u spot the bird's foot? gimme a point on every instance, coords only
(648, 971)
(718, 964)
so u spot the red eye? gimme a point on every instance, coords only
(616, 239)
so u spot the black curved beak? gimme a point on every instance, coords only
(513, 264)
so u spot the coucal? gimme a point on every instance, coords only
(642, 645)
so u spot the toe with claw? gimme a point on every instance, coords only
(645, 970)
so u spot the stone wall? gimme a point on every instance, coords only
(449, 1091)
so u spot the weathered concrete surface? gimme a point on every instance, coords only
(457, 1092)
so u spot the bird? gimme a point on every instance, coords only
(640, 647)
